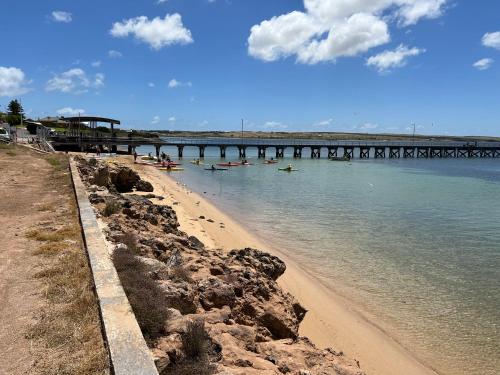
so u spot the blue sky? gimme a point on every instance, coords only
(319, 65)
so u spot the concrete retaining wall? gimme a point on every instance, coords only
(128, 351)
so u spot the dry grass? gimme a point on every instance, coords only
(148, 301)
(111, 208)
(195, 340)
(51, 248)
(67, 334)
(66, 232)
(195, 345)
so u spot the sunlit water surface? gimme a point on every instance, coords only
(415, 243)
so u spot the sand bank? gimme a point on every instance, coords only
(331, 321)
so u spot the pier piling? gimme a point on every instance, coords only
(315, 152)
(364, 152)
(297, 152)
(379, 152)
(261, 152)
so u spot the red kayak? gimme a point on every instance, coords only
(230, 164)
(270, 161)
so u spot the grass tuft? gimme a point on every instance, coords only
(195, 340)
(64, 233)
(111, 208)
(148, 301)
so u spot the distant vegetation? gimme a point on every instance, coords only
(322, 135)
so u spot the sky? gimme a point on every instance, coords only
(374, 66)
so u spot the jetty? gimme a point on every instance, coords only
(88, 137)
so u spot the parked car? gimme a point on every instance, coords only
(4, 135)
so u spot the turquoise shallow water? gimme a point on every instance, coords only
(414, 242)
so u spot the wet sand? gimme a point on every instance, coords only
(331, 321)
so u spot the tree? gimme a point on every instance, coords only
(15, 108)
(15, 112)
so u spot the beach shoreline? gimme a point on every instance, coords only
(331, 321)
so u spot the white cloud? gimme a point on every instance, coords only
(12, 82)
(151, 84)
(324, 123)
(60, 16)
(491, 40)
(112, 54)
(329, 29)
(368, 126)
(74, 81)
(156, 120)
(157, 32)
(161, 1)
(96, 64)
(172, 119)
(68, 111)
(175, 83)
(274, 125)
(483, 64)
(397, 58)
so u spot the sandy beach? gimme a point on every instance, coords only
(331, 321)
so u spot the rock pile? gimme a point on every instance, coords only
(251, 325)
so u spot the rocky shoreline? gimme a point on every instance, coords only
(201, 310)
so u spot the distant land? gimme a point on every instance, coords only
(322, 135)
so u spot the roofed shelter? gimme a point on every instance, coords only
(75, 127)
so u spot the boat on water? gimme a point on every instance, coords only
(340, 158)
(289, 168)
(197, 162)
(272, 161)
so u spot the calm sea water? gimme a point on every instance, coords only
(414, 242)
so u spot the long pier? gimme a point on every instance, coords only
(301, 147)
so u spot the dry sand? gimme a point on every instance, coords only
(331, 321)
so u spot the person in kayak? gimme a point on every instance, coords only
(212, 167)
(289, 168)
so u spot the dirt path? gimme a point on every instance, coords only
(24, 187)
(48, 314)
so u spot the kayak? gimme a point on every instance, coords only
(148, 158)
(231, 164)
(172, 164)
(197, 162)
(271, 161)
(340, 158)
(216, 169)
(246, 164)
(288, 169)
(170, 169)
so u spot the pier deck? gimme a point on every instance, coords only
(315, 148)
